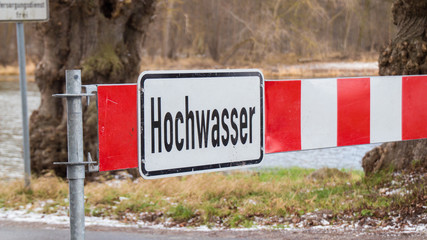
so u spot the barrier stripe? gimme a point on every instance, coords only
(287, 135)
(386, 109)
(117, 127)
(318, 113)
(414, 107)
(353, 111)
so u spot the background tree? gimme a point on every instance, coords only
(405, 55)
(104, 38)
(276, 31)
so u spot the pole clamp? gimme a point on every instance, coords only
(92, 165)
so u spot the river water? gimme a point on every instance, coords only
(11, 153)
(11, 144)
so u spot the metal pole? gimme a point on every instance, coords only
(75, 168)
(23, 85)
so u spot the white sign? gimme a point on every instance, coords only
(199, 121)
(24, 10)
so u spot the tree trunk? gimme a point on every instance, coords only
(406, 54)
(103, 38)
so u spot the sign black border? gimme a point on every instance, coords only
(166, 172)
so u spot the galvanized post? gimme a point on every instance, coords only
(75, 167)
(75, 164)
(23, 85)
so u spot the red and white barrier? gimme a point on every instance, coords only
(319, 113)
(299, 114)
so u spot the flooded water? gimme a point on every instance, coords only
(11, 153)
(11, 143)
(344, 66)
(343, 157)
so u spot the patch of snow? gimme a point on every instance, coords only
(415, 228)
(324, 222)
(61, 218)
(114, 183)
(398, 191)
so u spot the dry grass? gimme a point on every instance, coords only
(264, 193)
(14, 194)
(228, 200)
(12, 70)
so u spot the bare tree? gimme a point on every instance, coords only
(104, 38)
(237, 30)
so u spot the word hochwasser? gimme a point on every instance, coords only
(229, 126)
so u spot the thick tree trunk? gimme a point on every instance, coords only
(104, 39)
(405, 55)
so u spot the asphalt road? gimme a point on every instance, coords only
(10, 230)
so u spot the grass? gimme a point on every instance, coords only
(231, 200)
